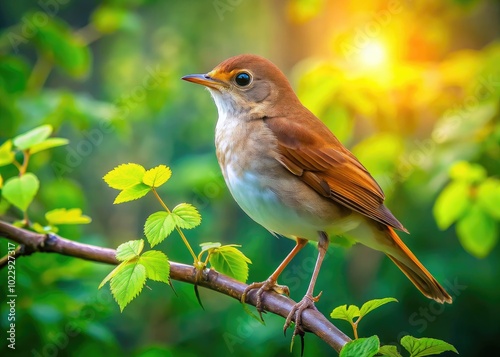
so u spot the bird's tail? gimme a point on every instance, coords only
(415, 271)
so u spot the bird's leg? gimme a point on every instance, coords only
(309, 299)
(270, 283)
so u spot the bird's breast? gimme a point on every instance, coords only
(267, 192)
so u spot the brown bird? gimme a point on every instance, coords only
(291, 175)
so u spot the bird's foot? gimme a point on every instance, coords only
(295, 315)
(269, 284)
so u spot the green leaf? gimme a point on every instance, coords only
(20, 191)
(32, 137)
(345, 313)
(209, 245)
(158, 227)
(467, 172)
(128, 283)
(157, 176)
(6, 153)
(451, 203)
(1, 182)
(186, 216)
(132, 193)
(230, 261)
(157, 265)
(477, 232)
(108, 19)
(374, 304)
(488, 197)
(113, 273)
(67, 216)
(37, 227)
(56, 41)
(362, 347)
(389, 350)
(419, 347)
(14, 74)
(125, 176)
(129, 250)
(48, 144)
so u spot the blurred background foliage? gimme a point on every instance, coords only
(411, 87)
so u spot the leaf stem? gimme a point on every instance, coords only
(39, 74)
(176, 226)
(24, 166)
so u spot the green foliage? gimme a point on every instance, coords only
(419, 347)
(389, 350)
(361, 347)
(471, 200)
(20, 191)
(350, 313)
(229, 260)
(128, 278)
(66, 216)
(368, 347)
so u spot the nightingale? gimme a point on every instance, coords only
(290, 174)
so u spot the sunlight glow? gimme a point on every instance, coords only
(373, 54)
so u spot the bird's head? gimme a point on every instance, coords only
(246, 84)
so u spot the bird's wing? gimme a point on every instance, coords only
(321, 161)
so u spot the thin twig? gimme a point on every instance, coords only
(313, 320)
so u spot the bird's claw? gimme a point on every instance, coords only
(262, 287)
(295, 314)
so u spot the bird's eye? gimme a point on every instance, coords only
(243, 79)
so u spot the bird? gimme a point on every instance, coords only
(290, 174)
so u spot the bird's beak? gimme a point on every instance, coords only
(207, 80)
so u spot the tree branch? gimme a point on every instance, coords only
(313, 320)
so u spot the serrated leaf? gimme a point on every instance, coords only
(477, 232)
(128, 283)
(209, 245)
(345, 313)
(488, 197)
(20, 191)
(230, 261)
(157, 176)
(112, 273)
(67, 216)
(32, 137)
(125, 176)
(6, 153)
(132, 193)
(451, 203)
(129, 250)
(157, 265)
(419, 347)
(389, 350)
(374, 304)
(48, 144)
(362, 347)
(158, 226)
(186, 216)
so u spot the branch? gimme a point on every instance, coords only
(313, 320)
